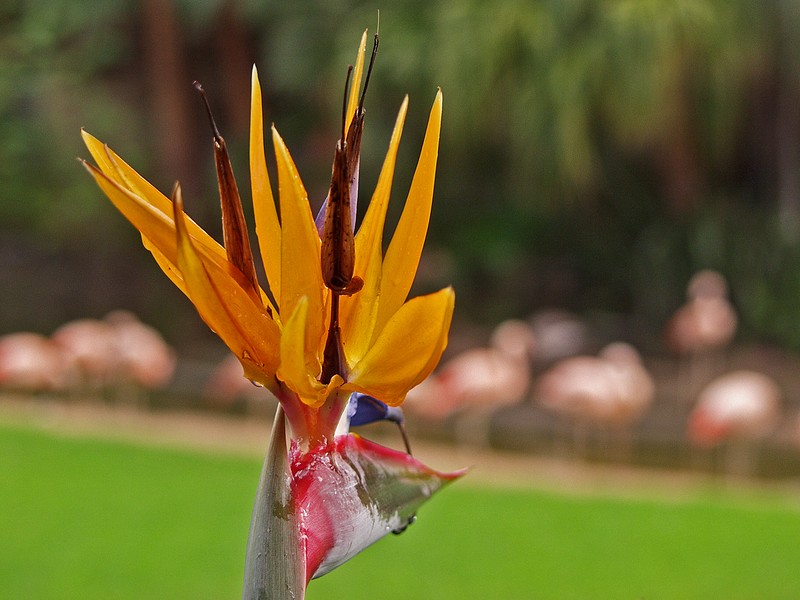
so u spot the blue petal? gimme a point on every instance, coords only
(364, 409)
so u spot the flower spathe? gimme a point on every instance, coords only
(390, 343)
(315, 510)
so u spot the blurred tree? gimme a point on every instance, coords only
(49, 51)
(588, 144)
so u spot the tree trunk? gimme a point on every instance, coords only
(169, 94)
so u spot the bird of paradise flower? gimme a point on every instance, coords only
(334, 325)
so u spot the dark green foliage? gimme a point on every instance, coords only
(592, 151)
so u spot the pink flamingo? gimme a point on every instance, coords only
(478, 381)
(702, 328)
(117, 353)
(32, 363)
(741, 408)
(89, 344)
(611, 390)
(559, 334)
(144, 357)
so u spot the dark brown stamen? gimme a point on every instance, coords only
(338, 244)
(344, 100)
(333, 359)
(338, 240)
(199, 87)
(369, 72)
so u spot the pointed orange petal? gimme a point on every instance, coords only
(294, 371)
(355, 85)
(227, 309)
(407, 350)
(402, 256)
(301, 271)
(124, 175)
(359, 311)
(154, 225)
(158, 232)
(268, 228)
(370, 233)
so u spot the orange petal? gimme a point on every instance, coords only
(124, 175)
(294, 371)
(407, 350)
(301, 271)
(402, 256)
(152, 223)
(355, 86)
(227, 309)
(268, 228)
(158, 230)
(359, 311)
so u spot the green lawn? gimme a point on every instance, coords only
(89, 519)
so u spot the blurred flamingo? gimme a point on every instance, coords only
(144, 358)
(701, 329)
(612, 390)
(479, 381)
(119, 353)
(741, 408)
(90, 345)
(559, 334)
(32, 363)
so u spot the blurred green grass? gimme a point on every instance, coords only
(84, 518)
